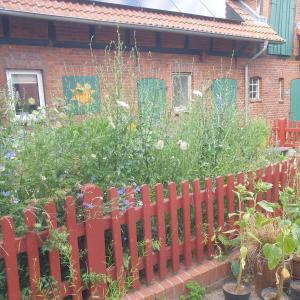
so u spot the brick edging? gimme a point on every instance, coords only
(206, 274)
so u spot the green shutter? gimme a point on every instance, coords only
(282, 21)
(151, 99)
(224, 91)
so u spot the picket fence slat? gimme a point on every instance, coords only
(173, 202)
(54, 259)
(165, 221)
(32, 252)
(198, 199)
(145, 196)
(11, 264)
(186, 223)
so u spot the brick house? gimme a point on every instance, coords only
(45, 52)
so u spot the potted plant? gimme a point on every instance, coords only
(238, 290)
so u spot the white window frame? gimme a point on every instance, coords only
(183, 108)
(10, 73)
(257, 85)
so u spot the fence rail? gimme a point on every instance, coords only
(183, 224)
(286, 133)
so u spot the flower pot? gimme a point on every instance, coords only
(265, 278)
(230, 294)
(296, 267)
(271, 294)
(295, 290)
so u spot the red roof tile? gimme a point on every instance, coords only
(98, 13)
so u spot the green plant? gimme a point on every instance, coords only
(194, 291)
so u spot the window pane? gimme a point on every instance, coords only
(26, 92)
(180, 90)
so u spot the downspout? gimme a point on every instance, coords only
(247, 77)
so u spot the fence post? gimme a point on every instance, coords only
(281, 132)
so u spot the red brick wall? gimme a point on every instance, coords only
(57, 62)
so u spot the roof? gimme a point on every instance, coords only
(104, 14)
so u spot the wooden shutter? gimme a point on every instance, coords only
(282, 21)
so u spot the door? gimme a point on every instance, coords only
(151, 99)
(295, 100)
(224, 91)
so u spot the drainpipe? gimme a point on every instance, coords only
(247, 77)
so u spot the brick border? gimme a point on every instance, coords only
(208, 274)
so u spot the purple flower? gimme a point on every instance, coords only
(10, 155)
(124, 238)
(80, 197)
(121, 191)
(93, 178)
(5, 194)
(87, 205)
(125, 204)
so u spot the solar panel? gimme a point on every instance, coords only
(208, 8)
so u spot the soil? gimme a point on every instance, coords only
(218, 295)
(230, 287)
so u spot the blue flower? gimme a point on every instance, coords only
(5, 194)
(93, 178)
(126, 202)
(10, 155)
(121, 191)
(87, 205)
(137, 189)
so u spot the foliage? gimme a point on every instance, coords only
(195, 291)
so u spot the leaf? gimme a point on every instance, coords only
(235, 267)
(243, 252)
(286, 243)
(253, 237)
(267, 206)
(273, 254)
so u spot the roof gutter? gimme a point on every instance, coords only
(125, 25)
(247, 77)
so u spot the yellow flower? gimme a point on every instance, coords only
(132, 127)
(83, 94)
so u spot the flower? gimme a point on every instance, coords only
(87, 205)
(125, 204)
(137, 189)
(122, 104)
(15, 200)
(5, 193)
(121, 191)
(93, 178)
(197, 93)
(94, 156)
(43, 178)
(182, 145)
(31, 100)
(10, 155)
(159, 145)
(132, 127)
(2, 168)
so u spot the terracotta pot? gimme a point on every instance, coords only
(296, 267)
(265, 278)
(230, 294)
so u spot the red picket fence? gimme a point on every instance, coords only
(198, 210)
(286, 133)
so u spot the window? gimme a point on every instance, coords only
(281, 89)
(254, 88)
(182, 85)
(26, 90)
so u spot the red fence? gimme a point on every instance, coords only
(286, 133)
(188, 219)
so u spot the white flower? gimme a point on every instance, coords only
(159, 145)
(94, 156)
(15, 200)
(182, 145)
(43, 178)
(197, 93)
(2, 168)
(122, 104)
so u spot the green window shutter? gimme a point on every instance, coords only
(282, 21)
(151, 99)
